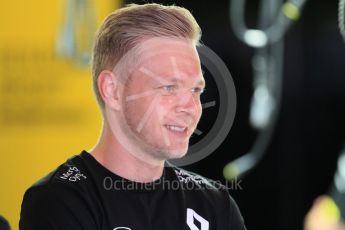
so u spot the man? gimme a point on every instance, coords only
(147, 79)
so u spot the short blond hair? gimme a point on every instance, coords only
(125, 28)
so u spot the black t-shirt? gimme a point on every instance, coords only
(82, 194)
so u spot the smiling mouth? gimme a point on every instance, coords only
(177, 130)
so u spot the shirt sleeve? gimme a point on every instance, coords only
(236, 221)
(51, 207)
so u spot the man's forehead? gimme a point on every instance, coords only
(172, 60)
(161, 48)
(167, 58)
(171, 57)
(171, 77)
(172, 68)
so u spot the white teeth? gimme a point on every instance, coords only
(175, 128)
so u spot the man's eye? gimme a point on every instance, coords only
(198, 90)
(169, 88)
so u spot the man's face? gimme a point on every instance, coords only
(161, 102)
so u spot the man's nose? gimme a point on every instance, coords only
(188, 103)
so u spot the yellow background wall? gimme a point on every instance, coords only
(47, 109)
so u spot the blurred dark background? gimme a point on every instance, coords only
(300, 161)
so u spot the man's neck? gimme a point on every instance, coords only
(113, 156)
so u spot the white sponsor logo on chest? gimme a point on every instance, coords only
(192, 217)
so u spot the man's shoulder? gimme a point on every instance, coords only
(63, 193)
(69, 175)
(67, 185)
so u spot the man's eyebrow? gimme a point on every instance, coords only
(200, 83)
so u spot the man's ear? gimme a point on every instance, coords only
(108, 86)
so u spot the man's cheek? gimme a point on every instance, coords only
(164, 104)
(134, 112)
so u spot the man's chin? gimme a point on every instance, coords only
(177, 153)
